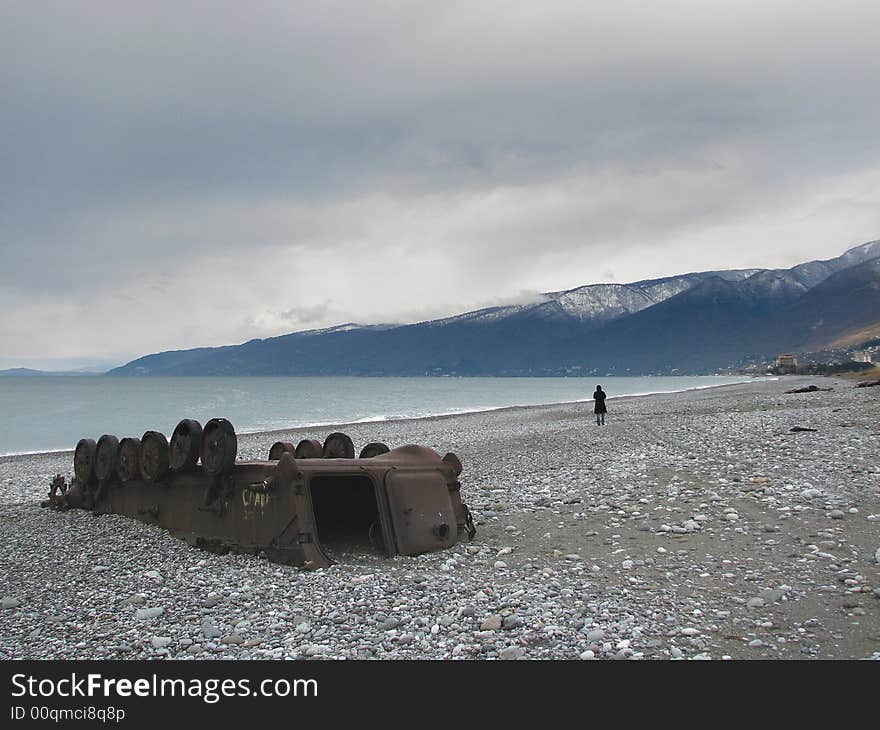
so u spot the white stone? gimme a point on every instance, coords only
(145, 614)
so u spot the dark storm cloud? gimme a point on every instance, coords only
(200, 173)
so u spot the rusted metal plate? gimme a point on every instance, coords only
(421, 511)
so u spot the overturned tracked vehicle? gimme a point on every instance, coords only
(306, 505)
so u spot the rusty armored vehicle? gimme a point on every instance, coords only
(305, 505)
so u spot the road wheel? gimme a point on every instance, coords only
(309, 449)
(129, 466)
(373, 449)
(186, 442)
(279, 448)
(219, 446)
(154, 456)
(84, 460)
(338, 446)
(106, 457)
(454, 462)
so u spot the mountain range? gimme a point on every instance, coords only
(692, 323)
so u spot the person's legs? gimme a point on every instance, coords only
(602, 416)
(598, 419)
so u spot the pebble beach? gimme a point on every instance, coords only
(694, 525)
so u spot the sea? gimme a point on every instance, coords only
(52, 413)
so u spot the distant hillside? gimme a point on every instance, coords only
(694, 322)
(22, 371)
(28, 372)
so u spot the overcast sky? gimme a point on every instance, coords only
(175, 174)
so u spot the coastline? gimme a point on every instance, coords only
(308, 428)
(498, 409)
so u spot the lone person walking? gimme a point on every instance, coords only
(600, 410)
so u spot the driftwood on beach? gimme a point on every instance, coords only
(807, 389)
(868, 384)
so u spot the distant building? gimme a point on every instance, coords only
(786, 361)
(862, 356)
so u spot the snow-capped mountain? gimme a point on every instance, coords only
(695, 321)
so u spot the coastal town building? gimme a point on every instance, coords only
(862, 356)
(786, 362)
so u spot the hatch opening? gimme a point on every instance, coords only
(347, 515)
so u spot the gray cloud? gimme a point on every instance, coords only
(295, 318)
(174, 175)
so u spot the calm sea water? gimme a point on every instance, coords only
(53, 413)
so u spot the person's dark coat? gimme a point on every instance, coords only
(599, 397)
